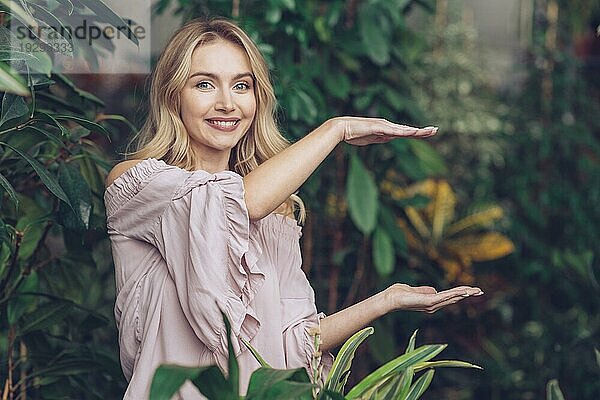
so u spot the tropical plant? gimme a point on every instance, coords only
(54, 253)
(391, 381)
(433, 231)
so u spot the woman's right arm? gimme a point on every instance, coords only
(272, 182)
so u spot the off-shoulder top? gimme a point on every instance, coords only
(184, 249)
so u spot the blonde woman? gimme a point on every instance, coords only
(201, 219)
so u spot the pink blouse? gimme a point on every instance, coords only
(183, 247)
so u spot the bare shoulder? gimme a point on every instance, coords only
(119, 169)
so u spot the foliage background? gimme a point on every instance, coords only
(532, 152)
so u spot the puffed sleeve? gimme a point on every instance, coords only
(299, 312)
(203, 236)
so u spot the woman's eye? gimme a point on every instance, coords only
(203, 85)
(242, 86)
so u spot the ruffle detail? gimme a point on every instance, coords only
(280, 225)
(245, 277)
(130, 182)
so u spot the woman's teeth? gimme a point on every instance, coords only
(223, 123)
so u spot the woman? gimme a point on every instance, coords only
(197, 219)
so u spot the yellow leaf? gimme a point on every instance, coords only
(480, 218)
(443, 209)
(417, 222)
(485, 247)
(411, 239)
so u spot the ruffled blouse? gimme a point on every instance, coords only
(184, 249)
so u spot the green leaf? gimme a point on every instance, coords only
(553, 391)
(109, 16)
(362, 196)
(287, 390)
(256, 354)
(387, 221)
(44, 316)
(9, 189)
(420, 386)
(375, 39)
(92, 126)
(337, 84)
(23, 14)
(234, 372)
(18, 304)
(383, 252)
(212, 384)
(44, 175)
(80, 197)
(411, 342)
(430, 161)
(410, 359)
(169, 378)
(263, 379)
(338, 375)
(444, 363)
(13, 107)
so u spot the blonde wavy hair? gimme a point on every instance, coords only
(163, 135)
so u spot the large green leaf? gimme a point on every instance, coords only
(269, 383)
(168, 379)
(362, 196)
(338, 375)
(383, 252)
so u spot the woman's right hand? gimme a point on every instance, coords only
(361, 131)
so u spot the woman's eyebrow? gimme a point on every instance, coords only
(214, 76)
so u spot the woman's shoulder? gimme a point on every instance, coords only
(119, 169)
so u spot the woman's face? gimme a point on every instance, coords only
(218, 102)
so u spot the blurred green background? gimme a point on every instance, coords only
(505, 197)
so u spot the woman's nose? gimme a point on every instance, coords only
(224, 102)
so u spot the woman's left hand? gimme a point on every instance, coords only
(425, 298)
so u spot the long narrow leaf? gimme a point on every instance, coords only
(420, 386)
(44, 175)
(256, 354)
(445, 363)
(423, 353)
(411, 342)
(553, 391)
(232, 365)
(338, 375)
(9, 189)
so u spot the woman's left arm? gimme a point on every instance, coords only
(338, 327)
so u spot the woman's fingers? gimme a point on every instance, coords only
(452, 296)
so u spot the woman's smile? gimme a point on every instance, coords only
(223, 124)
